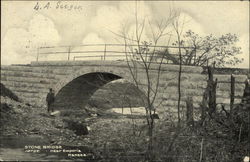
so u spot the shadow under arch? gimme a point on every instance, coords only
(68, 100)
(99, 90)
(76, 93)
(118, 71)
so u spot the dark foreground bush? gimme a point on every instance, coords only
(219, 138)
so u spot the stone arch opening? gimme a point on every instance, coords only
(75, 94)
(101, 90)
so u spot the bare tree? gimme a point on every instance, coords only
(178, 28)
(142, 58)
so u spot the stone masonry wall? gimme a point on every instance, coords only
(31, 83)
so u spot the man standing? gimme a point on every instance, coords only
(50, 99)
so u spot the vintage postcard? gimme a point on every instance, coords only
(165, 81)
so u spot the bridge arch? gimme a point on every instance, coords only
(121, 72)
(74, 91)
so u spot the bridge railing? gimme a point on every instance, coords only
(105, 52)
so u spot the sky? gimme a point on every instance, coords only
(27, 25)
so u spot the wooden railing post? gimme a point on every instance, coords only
(69, 53)
(104, 56)
(37, 55)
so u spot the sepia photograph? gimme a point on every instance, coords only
(125, 81)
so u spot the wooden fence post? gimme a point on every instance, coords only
(211, 90)
(189, 113)
(246, 94)
(204, 105)
(232, 95)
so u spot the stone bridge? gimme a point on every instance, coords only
(75, 82)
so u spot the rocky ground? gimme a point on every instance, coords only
(21, 119)
(88, 128)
